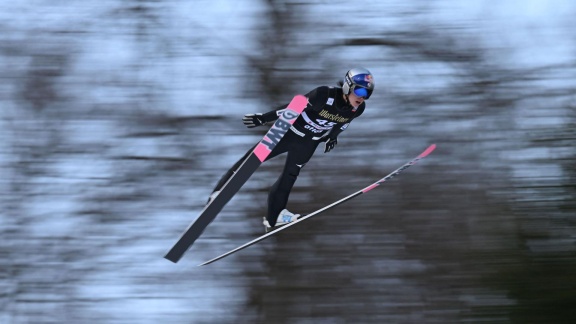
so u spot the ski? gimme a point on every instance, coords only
(248, 167)
(356, 194)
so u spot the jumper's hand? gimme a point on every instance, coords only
(330, 144)
(253, 120)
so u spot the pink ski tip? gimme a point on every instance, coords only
(299, 103)
(428, 151)
(370, 187)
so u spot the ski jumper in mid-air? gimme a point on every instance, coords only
(329, 112)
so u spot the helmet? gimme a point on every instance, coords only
(358, 79)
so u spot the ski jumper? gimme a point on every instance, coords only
(328, 114)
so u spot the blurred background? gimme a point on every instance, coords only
(117, 118)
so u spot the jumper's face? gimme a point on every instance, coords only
(355, 100)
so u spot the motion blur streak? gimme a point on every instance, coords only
(118, 117)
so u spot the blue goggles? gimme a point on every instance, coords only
(362, 92)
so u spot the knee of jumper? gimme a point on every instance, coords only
(294, 170)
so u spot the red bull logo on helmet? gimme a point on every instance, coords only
(364, 80)
(368, 78)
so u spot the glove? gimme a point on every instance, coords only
(330, 143)
(253, 120)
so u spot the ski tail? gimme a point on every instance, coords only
(334, 204)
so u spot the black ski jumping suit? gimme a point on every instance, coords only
(325, 117)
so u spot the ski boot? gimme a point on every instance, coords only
(284, 218)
